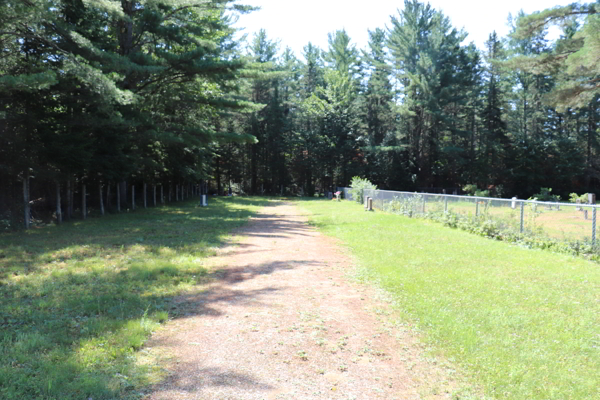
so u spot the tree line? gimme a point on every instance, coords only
(421, 110)
(133, 94)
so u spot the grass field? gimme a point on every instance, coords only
(77, 301)
(565, 223)
(524, 324)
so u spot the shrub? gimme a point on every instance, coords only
(573, 197)
(358, 186)
(545, 194)
(472, 190)
(408, 206)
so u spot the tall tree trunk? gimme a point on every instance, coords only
(108, 196)
(101, 191)
(83, 202)
(58, 205)
(69, 200)
(145, 197)
(72, 199)
(118, 197)
(154, 194)
(133, 197)
(254, 169)
(26, 205)
(170, 192)
(176, 192)
(162, 194)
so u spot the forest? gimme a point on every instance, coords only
(105, 104)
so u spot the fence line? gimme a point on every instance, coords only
(555, 220)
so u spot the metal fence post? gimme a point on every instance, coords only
(424, 200)
(522, 217)
(445, 204)
(594, 226)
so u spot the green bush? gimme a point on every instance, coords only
(545, 194)
(472, 190)
(573, 197)
(358, 186)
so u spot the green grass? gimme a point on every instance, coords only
(523, 324)
(78, 301)
(565, 223)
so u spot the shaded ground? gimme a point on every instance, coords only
(282, 321)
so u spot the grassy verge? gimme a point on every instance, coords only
(524, 323)
(77, 301)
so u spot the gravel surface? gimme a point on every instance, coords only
(281, 320)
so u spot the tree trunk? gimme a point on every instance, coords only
(83, 202)
(26, 205)
(154, 194)
(118, 197)
(145, 197)
(162, 195)
(69, 200)
(72, 205)
(101, 199)
(176, 192)
(58, 205)
(170, 192)
(133, 197)
(108, 196)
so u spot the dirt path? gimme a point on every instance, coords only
(282, 321)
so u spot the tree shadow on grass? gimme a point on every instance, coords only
(76, 301)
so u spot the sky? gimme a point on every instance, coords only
(295, 23)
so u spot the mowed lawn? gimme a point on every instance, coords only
(77, 301)
(523, 324)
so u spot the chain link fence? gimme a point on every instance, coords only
(560, 221)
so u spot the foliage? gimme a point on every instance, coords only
(358, 185)
(472, 190)
(545, 194)
(79, 300)
(408, 206)
(573, 197)
(574, 59)
(503, 313)
(114, 91)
